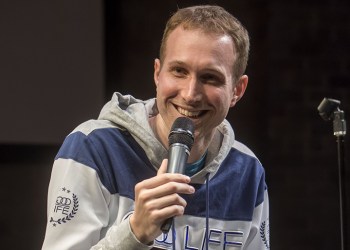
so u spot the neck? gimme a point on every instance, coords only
(200, 146)
(158, 130)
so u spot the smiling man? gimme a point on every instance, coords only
(111, 172)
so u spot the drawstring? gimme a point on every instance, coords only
(173, 234)
(207, 212)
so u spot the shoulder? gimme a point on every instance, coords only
(243, 149)
(92, 143)
(89, 138)
(91, 125)
(241, 161)
(238, 148)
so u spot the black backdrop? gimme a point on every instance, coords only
(300, 54)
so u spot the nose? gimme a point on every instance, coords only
(192, 91)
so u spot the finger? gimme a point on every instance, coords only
(166, 201)
(163, 177)
(175, 177)
(171, 188)
(160, 180)
(167, 212)
(145, 195)
(174, 210)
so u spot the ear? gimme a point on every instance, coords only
(239, 89)
(157, 67)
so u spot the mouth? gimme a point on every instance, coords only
(190, 114)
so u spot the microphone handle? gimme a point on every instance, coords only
(167, 225)
(178, 154)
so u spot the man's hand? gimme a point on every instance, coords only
(157, 199)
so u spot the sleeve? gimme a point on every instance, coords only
(78, 212)
(77, 207)
(259, 235)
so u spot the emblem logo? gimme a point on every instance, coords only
(265, 233)
(66, 207)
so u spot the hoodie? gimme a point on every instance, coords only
(91, 190)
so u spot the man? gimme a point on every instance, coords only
(109, 187)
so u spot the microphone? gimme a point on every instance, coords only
(181, 139)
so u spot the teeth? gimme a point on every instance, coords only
(188, 113)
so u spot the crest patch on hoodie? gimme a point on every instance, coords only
(65, 207)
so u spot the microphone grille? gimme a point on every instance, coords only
(182, 132)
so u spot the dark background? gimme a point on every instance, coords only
(60, 61)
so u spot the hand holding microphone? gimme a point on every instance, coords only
(154, 197)
(180, 143)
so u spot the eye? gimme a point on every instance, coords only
(211, 79)
(179, 71)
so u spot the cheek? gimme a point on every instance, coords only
(165, 91)
(220, 98)
(166, 87)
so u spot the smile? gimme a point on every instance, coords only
(192, 114)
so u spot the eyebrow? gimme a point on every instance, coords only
(210, 68)
(177, 63)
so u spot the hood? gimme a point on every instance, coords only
(132, 114)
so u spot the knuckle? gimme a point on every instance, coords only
(177, 199)
(172, 187)
(147, 206)
(138, 187)
(143, 196)
(179, 210)
(154, 216)
(166, 177)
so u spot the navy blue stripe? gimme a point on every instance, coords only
(119, 161)
(236, 189)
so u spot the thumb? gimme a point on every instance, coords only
(163, 167)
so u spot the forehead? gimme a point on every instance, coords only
(197, 45)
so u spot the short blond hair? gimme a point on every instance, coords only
(211, 19)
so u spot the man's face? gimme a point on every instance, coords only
(196, 80)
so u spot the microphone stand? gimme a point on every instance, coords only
(339, 129)
(329, 109)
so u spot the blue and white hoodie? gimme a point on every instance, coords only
(91, 191)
